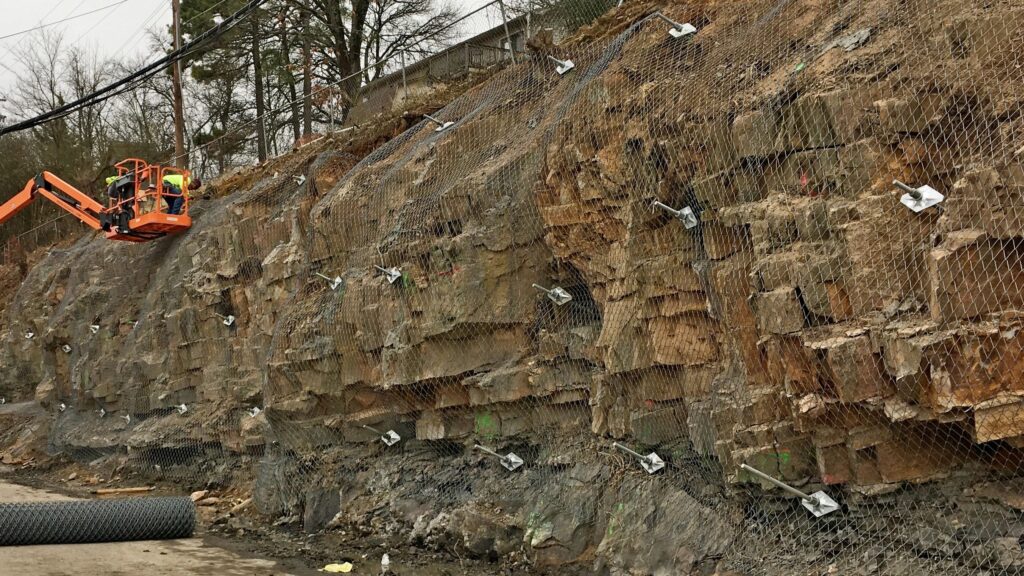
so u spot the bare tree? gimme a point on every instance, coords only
(289, 18)
(307, 70)
(138, 120)
(417, 27)
(341, 43)
(53, 76)
(261, 102)
(85, 74)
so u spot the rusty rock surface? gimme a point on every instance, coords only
(810, 325)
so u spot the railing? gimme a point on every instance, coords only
(150, 192)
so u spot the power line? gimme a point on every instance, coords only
(77, 6)
(340, 81)
(61, 21)
(52, 10)
(192, 45)
(161, 6)
(132, 81)
(204, 12)
(141, 29)
(144, 73)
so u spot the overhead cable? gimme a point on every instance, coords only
(63, 20)
(146, 72)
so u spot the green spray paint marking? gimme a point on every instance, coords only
(486, 426)
(538, 530)
(614, 520)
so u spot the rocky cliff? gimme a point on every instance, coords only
(809, 325)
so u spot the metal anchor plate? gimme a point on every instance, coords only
(559, 296)
(821, 505)
(511, 462)
(688, 218)
(390, 438)
(927, 197)
(683, 30)
(652, 463)
(564, 67)
(392, 274)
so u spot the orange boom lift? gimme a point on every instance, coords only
(135, 211)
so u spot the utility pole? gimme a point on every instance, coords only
(307, 74)
(180, 159)
(257, 70)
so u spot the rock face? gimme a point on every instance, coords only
(810, 325)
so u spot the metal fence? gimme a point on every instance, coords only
(733, 285)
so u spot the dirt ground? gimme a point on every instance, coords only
(258, 549)
(202, 556)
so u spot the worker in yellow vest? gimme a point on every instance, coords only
(121, 189)
(176, 186)
(111, 190)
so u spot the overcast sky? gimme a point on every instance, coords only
(117, 30)
(120, 30)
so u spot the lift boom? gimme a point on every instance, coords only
(60, 193)
(138, 216)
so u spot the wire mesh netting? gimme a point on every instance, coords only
(78, 522)
(675, 235)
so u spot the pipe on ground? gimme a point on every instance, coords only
(82, 521)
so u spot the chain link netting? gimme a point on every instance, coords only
(85, 521)
(689, 244)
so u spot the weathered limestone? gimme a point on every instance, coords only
(986, 39)
(887, 251)
(999, 418)
(909, 115)
(856, 370)
(754, 134)
(822, 287)
(716, 190)
(779, 311)
(723, 241)
(810, 325)
(970, 274)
